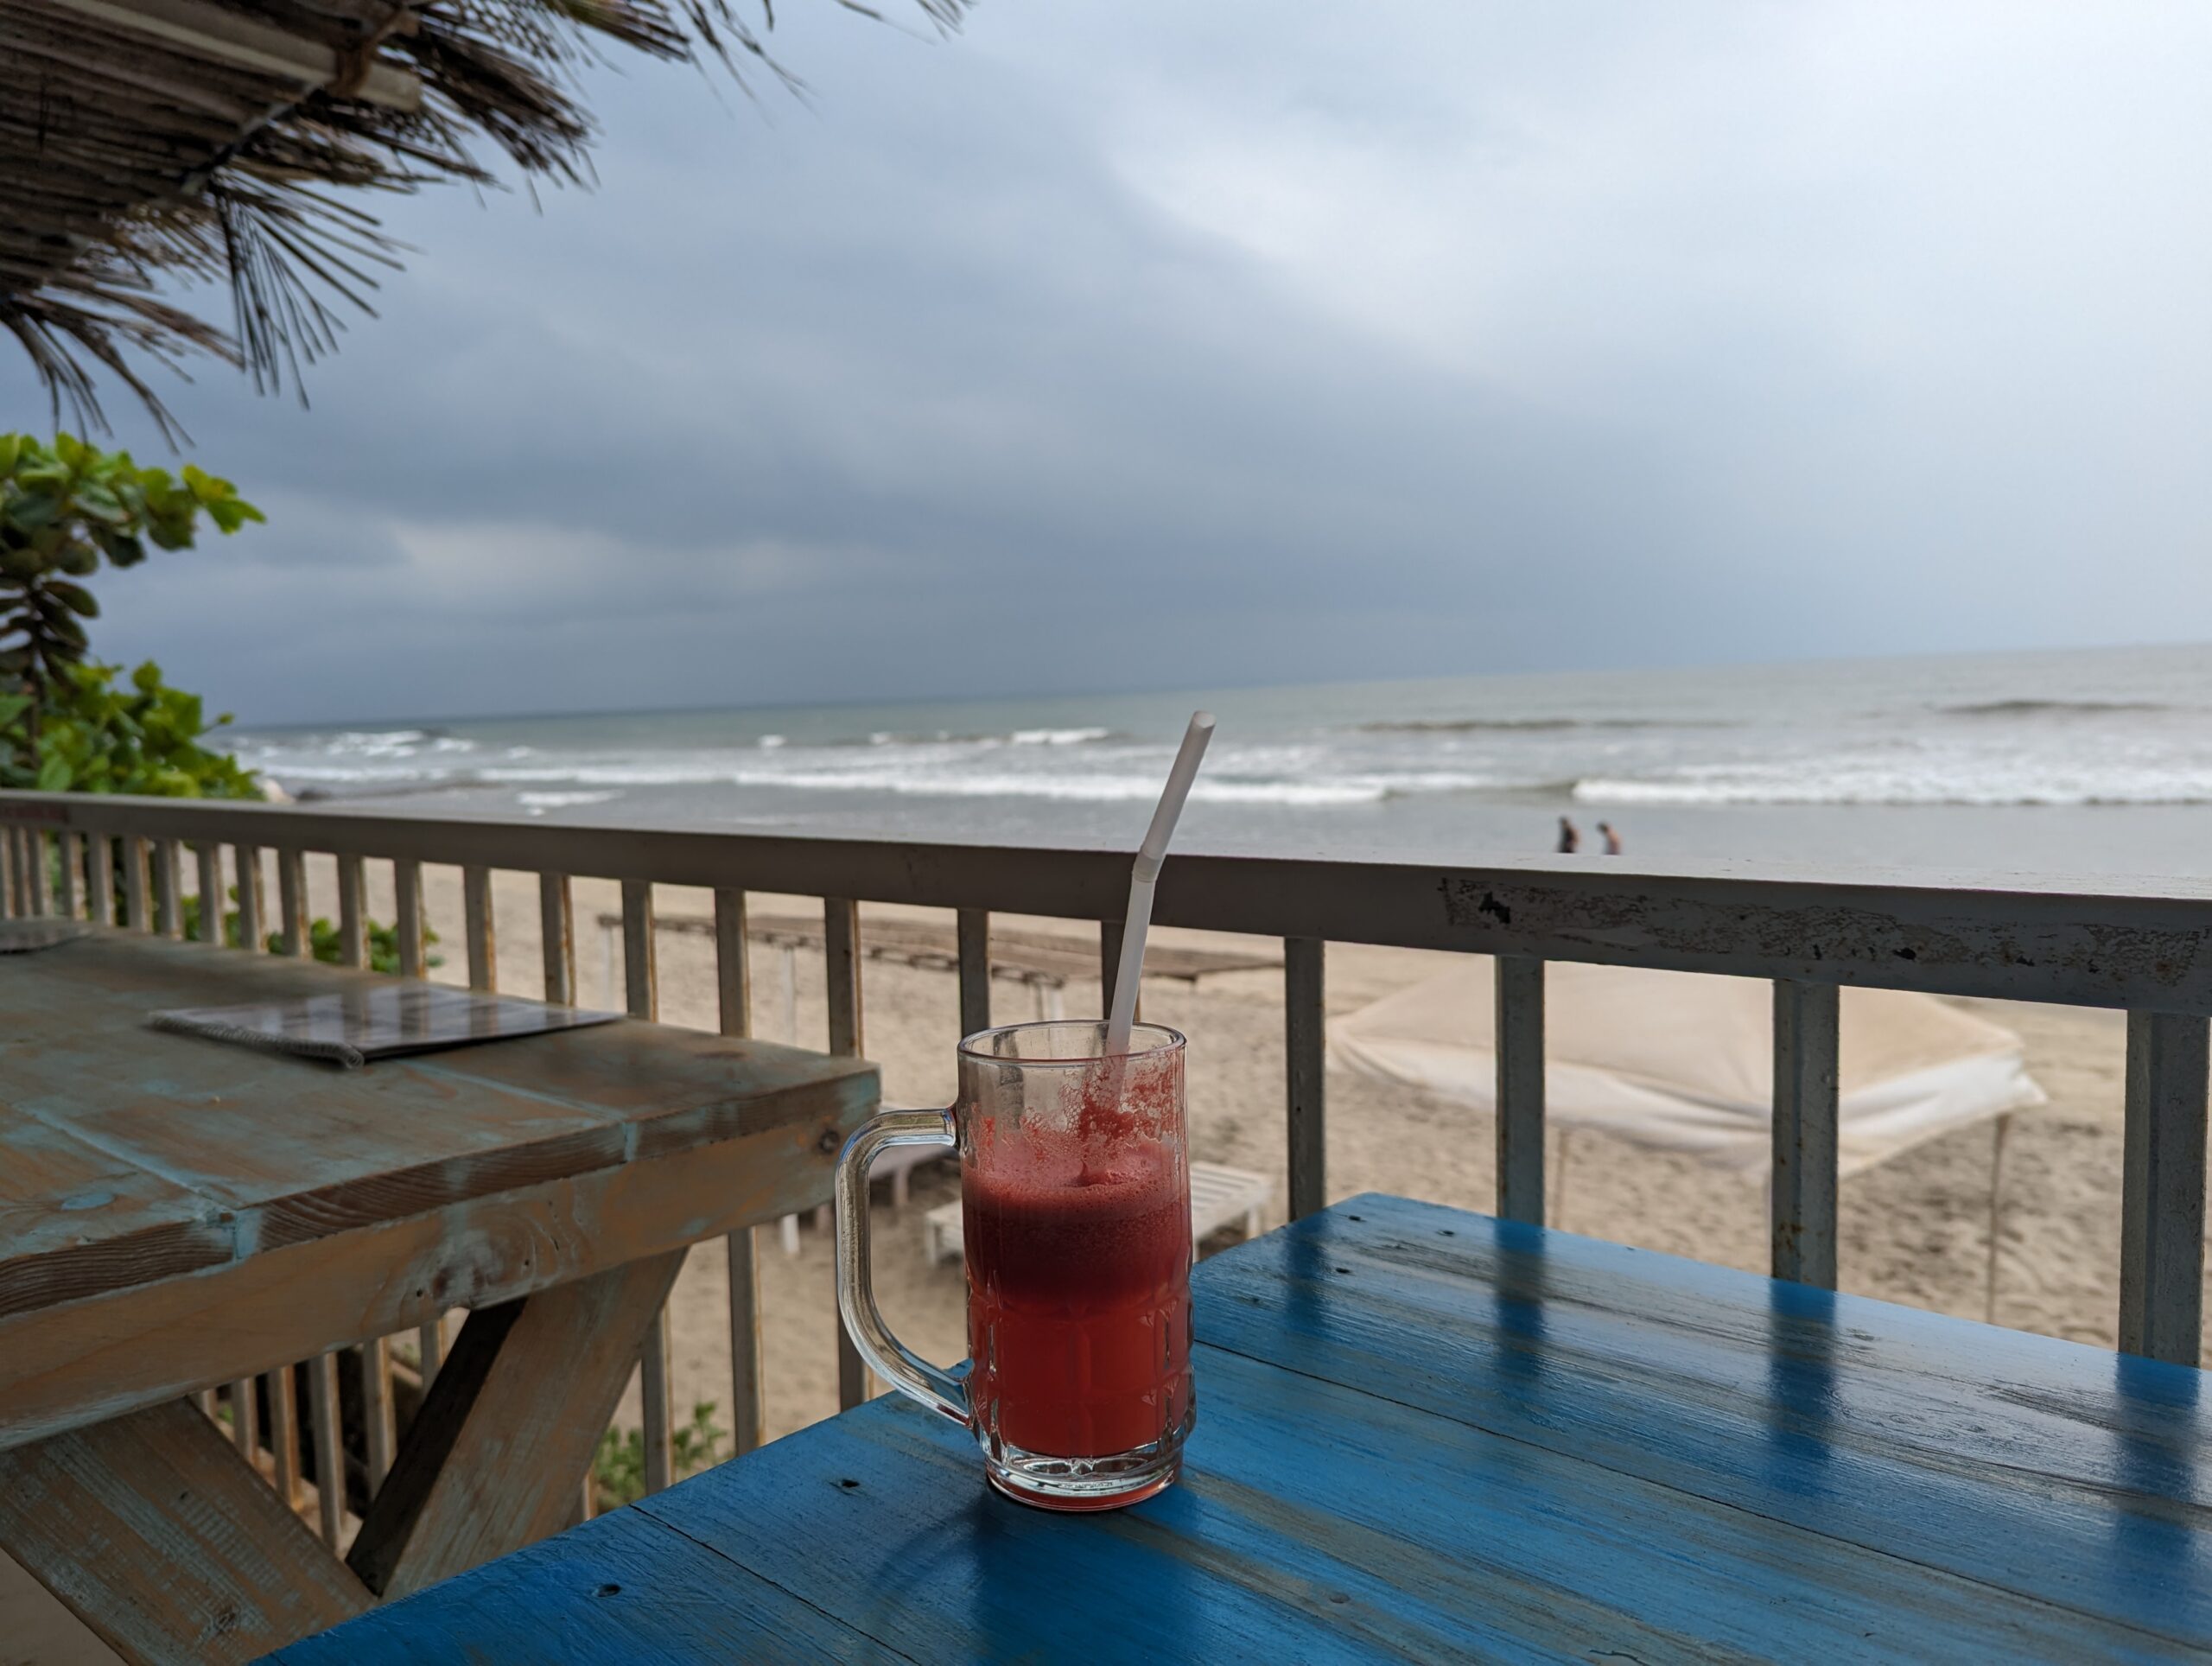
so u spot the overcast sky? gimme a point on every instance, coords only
(1147, 343)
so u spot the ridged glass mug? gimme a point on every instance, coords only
(1075, 1193)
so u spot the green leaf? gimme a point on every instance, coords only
(231, 513)
(75, 597)
(102, 505)
(53, 775)
(28, 511)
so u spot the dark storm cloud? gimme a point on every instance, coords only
(1209, 345)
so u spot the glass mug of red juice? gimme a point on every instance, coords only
(1075, 1195)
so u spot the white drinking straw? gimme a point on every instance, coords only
(1150, 854)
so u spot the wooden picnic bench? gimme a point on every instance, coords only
(176, 1213)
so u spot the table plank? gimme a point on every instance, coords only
(308, 1149)
(74, 1220)
(215, 1557)
(606, 1594)
(2046, 1469)
(105, 1354)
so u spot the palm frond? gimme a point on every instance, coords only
(130, 162)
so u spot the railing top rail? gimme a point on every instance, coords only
(2144, 944)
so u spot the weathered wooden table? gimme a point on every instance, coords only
(1426, 1434)
(176, 1213)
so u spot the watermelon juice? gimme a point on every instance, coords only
(1078, 1254)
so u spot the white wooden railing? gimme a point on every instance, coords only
(2143, 948)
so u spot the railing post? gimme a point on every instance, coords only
(2161, 1188)
(482, 933)
(972, 931)
(732, 964)
(407, 886)
(284, 1434)
(380, 1434)
(99, 878)
(733, 982)
(169, 860)
(352, 911)
(248, 857)
(654, 1396)
(840, 947)
(1806, 1033)
(557, 929)
(32, 844)
(136, 914)
(841, 961)
(8, 864)
(329, 1446)
(642, 989)
(1517, 1032)
(71, 854)
(292, 902)
(246, 1419)
(640, 982)
(212, 907)
(1305, 1074)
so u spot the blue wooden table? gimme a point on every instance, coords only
(1426, 1434)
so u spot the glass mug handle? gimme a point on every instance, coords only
(890, 1359)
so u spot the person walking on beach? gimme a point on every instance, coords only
(1569, 840)
(1612, 839)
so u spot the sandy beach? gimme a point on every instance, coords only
(1915, 1230)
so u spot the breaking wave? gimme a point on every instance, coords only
(1526, 725)
(2048, 707)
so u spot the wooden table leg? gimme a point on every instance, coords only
(492, 1461)
(167, 1544)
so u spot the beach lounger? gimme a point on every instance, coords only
(1219, 1196)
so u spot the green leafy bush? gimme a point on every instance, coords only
(618, 1469)
(98, 732)
(324, 940)
(64, 508)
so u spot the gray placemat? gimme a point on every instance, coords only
(350, 1027)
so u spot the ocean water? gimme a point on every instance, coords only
(2091, 762)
